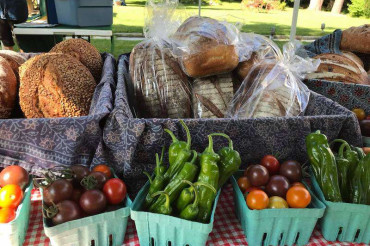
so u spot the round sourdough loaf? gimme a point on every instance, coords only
(206, 47)
(55, 85)
(8, 89)
(14, 59)
(356, 39)
(85, 52)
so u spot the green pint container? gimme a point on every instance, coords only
(344, 222)
(14, 232)
(163, 230)
(276, 226)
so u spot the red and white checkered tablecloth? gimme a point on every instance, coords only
(227, 230)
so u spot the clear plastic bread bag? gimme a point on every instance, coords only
(206, 47)
(160, 88)
(274, 87)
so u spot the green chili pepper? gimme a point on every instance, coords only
(177, 145)
(155, 185)
(343, 168)
(350, 154)
(162, 168)
(229, 160)
(190, 212)
(361, 182)
(209, 174)
(182, 156)
(166, 207)
(188, 172)
(323, 164)
(360, 152)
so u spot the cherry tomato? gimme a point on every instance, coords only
(115, 191)
(93, 202)
(67, 211)
(360, 113)
(14, 175)
(246, 170)
(258, 175)
(277, 202)
(104, 169)
(252, 188)
(298, 184)
(7, 215)
(271, 163)
(366, 150)
(298, 197)
(257, 199)
(10, 196)
(243, 183)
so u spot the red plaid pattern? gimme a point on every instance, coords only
(227, 230)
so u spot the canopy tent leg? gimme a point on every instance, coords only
(293, 28)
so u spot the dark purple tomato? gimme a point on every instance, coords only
(292, 170)
(60, 190)
(277, 186)
(76, 194)
(258, 175)
(93, 202)
(67, 211)
(100, 178)
(79, 172)
(46, 197)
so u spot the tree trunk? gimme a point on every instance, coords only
(315, 5)
(337, 7)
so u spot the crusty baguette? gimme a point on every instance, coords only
(161, 88)
(211, 96)
(356, 39)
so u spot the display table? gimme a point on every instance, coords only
(227, 230)
(73, 31)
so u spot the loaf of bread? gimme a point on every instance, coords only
(268, 91)
(14, 59)
(85, 52)
(356, 39)
(55, 85)
(244, 67)
(8, 89)
(206, 47)
(211, 96)
(161, 88)
(335, 67)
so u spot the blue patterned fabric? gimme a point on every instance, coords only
(38, 144)
(348, 95)
(130, 143)
(327, 44)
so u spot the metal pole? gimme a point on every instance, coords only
(199, 6)
(293, 28)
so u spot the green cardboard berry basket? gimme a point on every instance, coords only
(14, 232)
(103, 229)
(276, 226)
(345, 222)
(158, 229)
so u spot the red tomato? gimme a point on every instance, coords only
(271, 164)
(10, 196)
(243, 183)
(104, 169)
(298, 197)
(257, 199)
(115, 191)
(14, 175)
(7, 215)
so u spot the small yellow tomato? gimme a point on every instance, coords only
(360, 113)
(277, 202)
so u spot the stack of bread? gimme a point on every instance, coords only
(60, 83)
(199, 69)
(347, 67)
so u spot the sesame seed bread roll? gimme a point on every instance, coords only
(55, 85)
(83, 51)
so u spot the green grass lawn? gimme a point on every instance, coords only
(130, 18)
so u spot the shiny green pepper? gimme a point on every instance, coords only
(166, 208)
(229, 160)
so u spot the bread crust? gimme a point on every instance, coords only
(8, 89)
(55, 85)
(14, 59)
(83, 51)
(335, 67)
(356, 39)
(354, 58)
